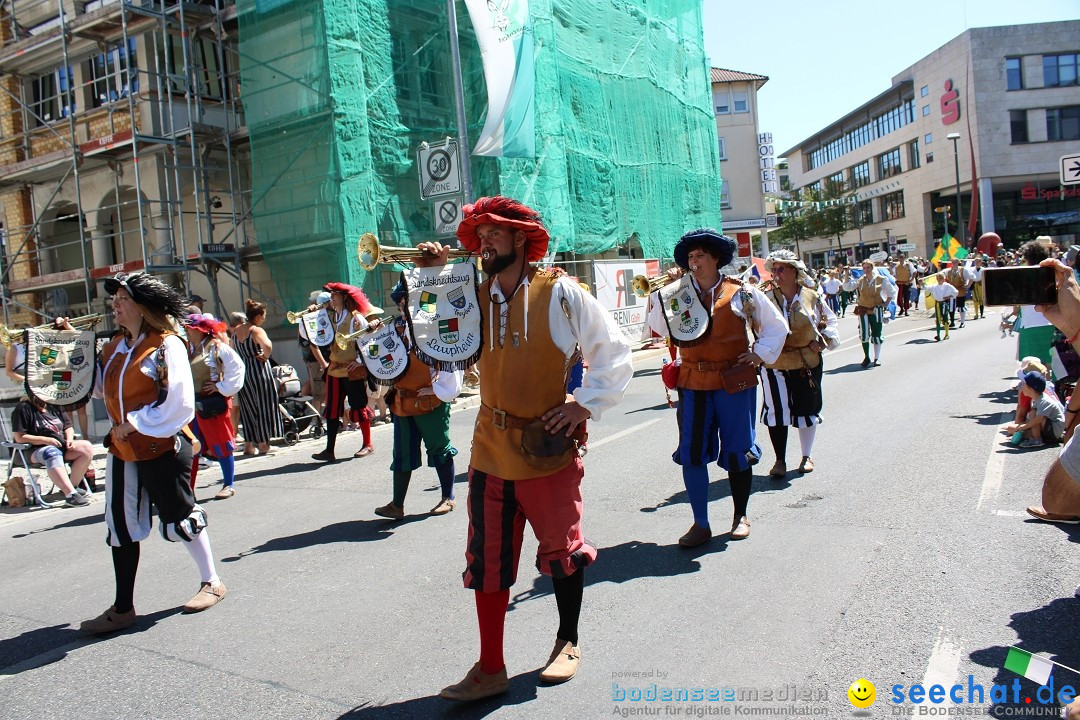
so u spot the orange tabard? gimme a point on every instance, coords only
(417, 377)
(524, 379)
(725, 342)
(138, 390)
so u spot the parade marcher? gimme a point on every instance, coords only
(217, 374)
(905, 277)
(715, 424)
(978, 296)
(420, 405)
(791, 384)
(346, 376)
(848, 283)
(831, 287)
(870, 292)
(525, 464)
(145, 380)
(960, 278)
(944, 294)
(315, 355)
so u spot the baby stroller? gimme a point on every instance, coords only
(298, 413)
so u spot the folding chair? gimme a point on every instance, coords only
(19, 453)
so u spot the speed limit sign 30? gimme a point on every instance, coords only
(440, 169)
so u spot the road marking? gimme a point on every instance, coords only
(624, 433)
(995, 465)
(942, 667)
(1012, 513)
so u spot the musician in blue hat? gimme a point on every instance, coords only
(717, 381)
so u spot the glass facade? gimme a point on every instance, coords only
(881, 125)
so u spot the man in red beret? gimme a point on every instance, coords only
(525, 463)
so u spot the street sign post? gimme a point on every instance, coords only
(1070, 169)
(440, 169)
(446, 212)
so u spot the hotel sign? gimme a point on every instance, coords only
(767, 165)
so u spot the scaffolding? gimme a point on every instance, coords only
(123, 147)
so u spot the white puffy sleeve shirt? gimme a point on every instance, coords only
(178, 409)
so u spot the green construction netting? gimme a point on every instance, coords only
(338, 94)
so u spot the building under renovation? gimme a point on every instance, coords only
(242, 149)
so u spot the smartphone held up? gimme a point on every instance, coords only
(1028, 285)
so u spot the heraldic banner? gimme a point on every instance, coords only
(384, 355)
(444, 315)
(60, 368)
(688, 320)
(318, 328)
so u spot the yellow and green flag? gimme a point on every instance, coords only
(947, 249)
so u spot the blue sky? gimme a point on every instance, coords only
(824, 59)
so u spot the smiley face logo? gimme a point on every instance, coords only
(862, 693)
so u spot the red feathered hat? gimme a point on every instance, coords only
(206, 323)
(359, 299)
(501, 210)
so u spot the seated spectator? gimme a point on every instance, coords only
(1045, 422)
(49, 430)
(1023, 402)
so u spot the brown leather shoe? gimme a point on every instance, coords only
(740, 529)
(207, 597)
(109, 621)
(806, 466)
(225, 493)
(695, 536)
(563, 662)
(445, 505)
(390, 510)
(1038, 513)
(476, 685)
(364, 451)
(779, 470)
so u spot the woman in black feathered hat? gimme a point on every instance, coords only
(145, 380)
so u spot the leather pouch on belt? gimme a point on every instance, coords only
(544, 451)
(740, 377)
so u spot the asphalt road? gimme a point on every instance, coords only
(904, 558)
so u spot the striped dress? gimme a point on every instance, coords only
(258, 398)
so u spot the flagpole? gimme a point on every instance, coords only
(1055, 662)
(459, 97)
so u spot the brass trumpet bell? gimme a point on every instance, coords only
(643, 286)
(371, 253)
(294, 317)
(9, 335)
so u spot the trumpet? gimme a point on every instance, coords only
(343, 339)
(9, 335)
(371, 253)
(644, 287)
(294, 317)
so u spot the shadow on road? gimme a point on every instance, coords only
(522, 690)
(984, 419)
(1005, 397)
(651, 408)
(290, 469)
(44, 646)
(349, 531)
(630, 561)
(81, 521)
(645, 372)
(718, 489)
(850, 367)
(1043, 630)
(921, 341)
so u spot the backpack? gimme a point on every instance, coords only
(288, 382)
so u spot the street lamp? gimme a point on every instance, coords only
(959, 205)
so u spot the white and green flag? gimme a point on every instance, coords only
(505, 35)
(1034, 667)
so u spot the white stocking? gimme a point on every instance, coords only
(199, 547)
